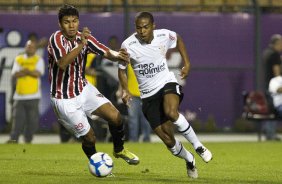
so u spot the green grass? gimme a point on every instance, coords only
(65, 164)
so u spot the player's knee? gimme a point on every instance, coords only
(89, 139)
(171, 114)
(115, 118)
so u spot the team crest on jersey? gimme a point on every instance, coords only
(171, 37)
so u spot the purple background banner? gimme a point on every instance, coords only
(221, 49)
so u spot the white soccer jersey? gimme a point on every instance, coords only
(149, 61)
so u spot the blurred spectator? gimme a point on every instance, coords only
(41, 43)
(275, 88)
(106, 83)
(136, 118)
(27, 70)
(272, 62)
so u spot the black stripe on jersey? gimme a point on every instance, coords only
(54, 77)
(65, 83)
(76, 84)
(55, 46)
(93, 48)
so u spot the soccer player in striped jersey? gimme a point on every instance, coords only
(72, 97)
(160, 92)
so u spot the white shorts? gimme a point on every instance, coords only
(72, 113)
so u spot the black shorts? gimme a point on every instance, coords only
(153, 106)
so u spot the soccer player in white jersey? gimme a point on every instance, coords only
(72, 97)
(160, 92)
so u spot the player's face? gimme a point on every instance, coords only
(69, 26)
(144, 28)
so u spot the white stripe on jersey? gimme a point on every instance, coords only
(149, 61)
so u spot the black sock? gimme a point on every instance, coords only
(89, 150)
(118, 136)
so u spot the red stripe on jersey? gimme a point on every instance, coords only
(98, 44)
(58, 42)
(71, 81)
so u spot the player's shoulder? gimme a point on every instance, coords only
(163, 33)
(55, 35)
(131, 40)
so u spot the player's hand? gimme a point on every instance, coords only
(84, 34)
(124, 56)
(184, 72)
(126, 98)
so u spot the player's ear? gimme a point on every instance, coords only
(154, 26)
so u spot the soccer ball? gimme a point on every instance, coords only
(100, 164)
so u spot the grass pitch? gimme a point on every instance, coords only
(236, 162)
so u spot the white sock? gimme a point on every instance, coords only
(187, 131)
(178, 150)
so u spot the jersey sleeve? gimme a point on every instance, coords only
(172, 39)
(58, 48)
(96, 47)
(123, 65)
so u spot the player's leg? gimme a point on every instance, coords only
(94, 103)
(88, 143)
(71, 115)
(153, 111)
(165, 133)
(171, 101)
(116, 126)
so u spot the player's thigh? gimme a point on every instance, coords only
(172, 97)
(92, 99)
(71, 116)
(108, 112)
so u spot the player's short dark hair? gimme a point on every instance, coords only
(274, 38)
(67, 10)
(145, 15)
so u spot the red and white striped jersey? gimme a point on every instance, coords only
(69, 83)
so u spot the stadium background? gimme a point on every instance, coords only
(224, 39)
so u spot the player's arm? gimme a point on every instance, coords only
(185, 58)
(121, 55)
(122, 75)
(67, 59)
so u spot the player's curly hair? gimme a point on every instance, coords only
(67, 10)
(147, 15)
